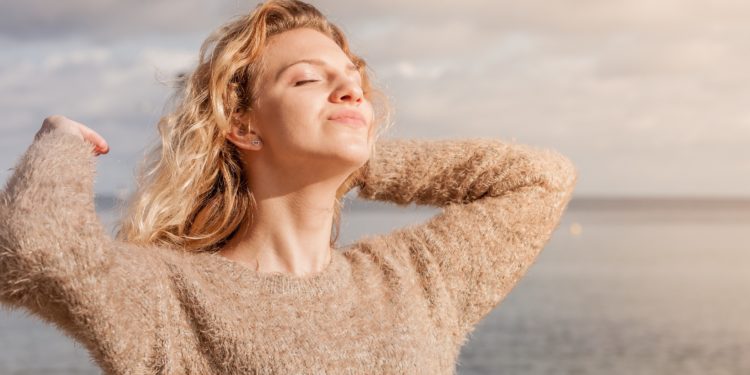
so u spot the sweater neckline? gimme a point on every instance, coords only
(279, 283)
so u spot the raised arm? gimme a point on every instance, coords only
(500, 203)
(57, 262)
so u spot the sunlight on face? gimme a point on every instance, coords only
(307, 82)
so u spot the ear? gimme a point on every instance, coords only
(242, 134)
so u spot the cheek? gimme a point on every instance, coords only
(295, 118)
(370, 112)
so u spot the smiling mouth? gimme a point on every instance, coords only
(351, 121)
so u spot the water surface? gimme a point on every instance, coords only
(622, 289)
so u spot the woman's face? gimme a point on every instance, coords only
(308, 82)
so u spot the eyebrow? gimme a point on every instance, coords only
(350, 67)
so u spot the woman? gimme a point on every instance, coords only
(226, 262)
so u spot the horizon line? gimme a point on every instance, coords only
(596, 202)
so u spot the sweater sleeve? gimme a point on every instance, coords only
(57, 262)
(500, 203)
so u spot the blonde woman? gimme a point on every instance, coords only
(226, 261)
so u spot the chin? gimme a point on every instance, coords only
(355, 153)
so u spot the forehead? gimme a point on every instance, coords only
(299, 44)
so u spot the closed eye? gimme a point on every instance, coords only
(300, 83)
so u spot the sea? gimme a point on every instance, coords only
(624, 286)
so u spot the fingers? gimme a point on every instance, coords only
(76, 128)
(100, 144)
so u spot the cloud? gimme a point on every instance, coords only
(645, 97)
(110, 19)
(116, 90)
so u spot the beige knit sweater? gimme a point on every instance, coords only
(399, 303)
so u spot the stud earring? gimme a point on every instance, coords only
(255, 141)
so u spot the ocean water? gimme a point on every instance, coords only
(619, 289)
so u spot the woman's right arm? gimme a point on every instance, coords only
(57, 261)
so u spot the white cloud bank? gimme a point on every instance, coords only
(645, 97)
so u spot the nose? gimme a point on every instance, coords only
(347, 91)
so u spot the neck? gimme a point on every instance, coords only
(287, 232)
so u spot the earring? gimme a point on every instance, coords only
(255, 141)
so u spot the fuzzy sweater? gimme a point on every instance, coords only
(397, 303)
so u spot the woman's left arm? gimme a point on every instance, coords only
(500, 203)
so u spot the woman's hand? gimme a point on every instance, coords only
(76, 128)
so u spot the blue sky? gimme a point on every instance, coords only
(647, 98)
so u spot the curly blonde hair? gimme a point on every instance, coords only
(191, 193)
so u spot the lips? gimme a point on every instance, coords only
(349, 117)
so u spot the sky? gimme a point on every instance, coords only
(647, 98)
